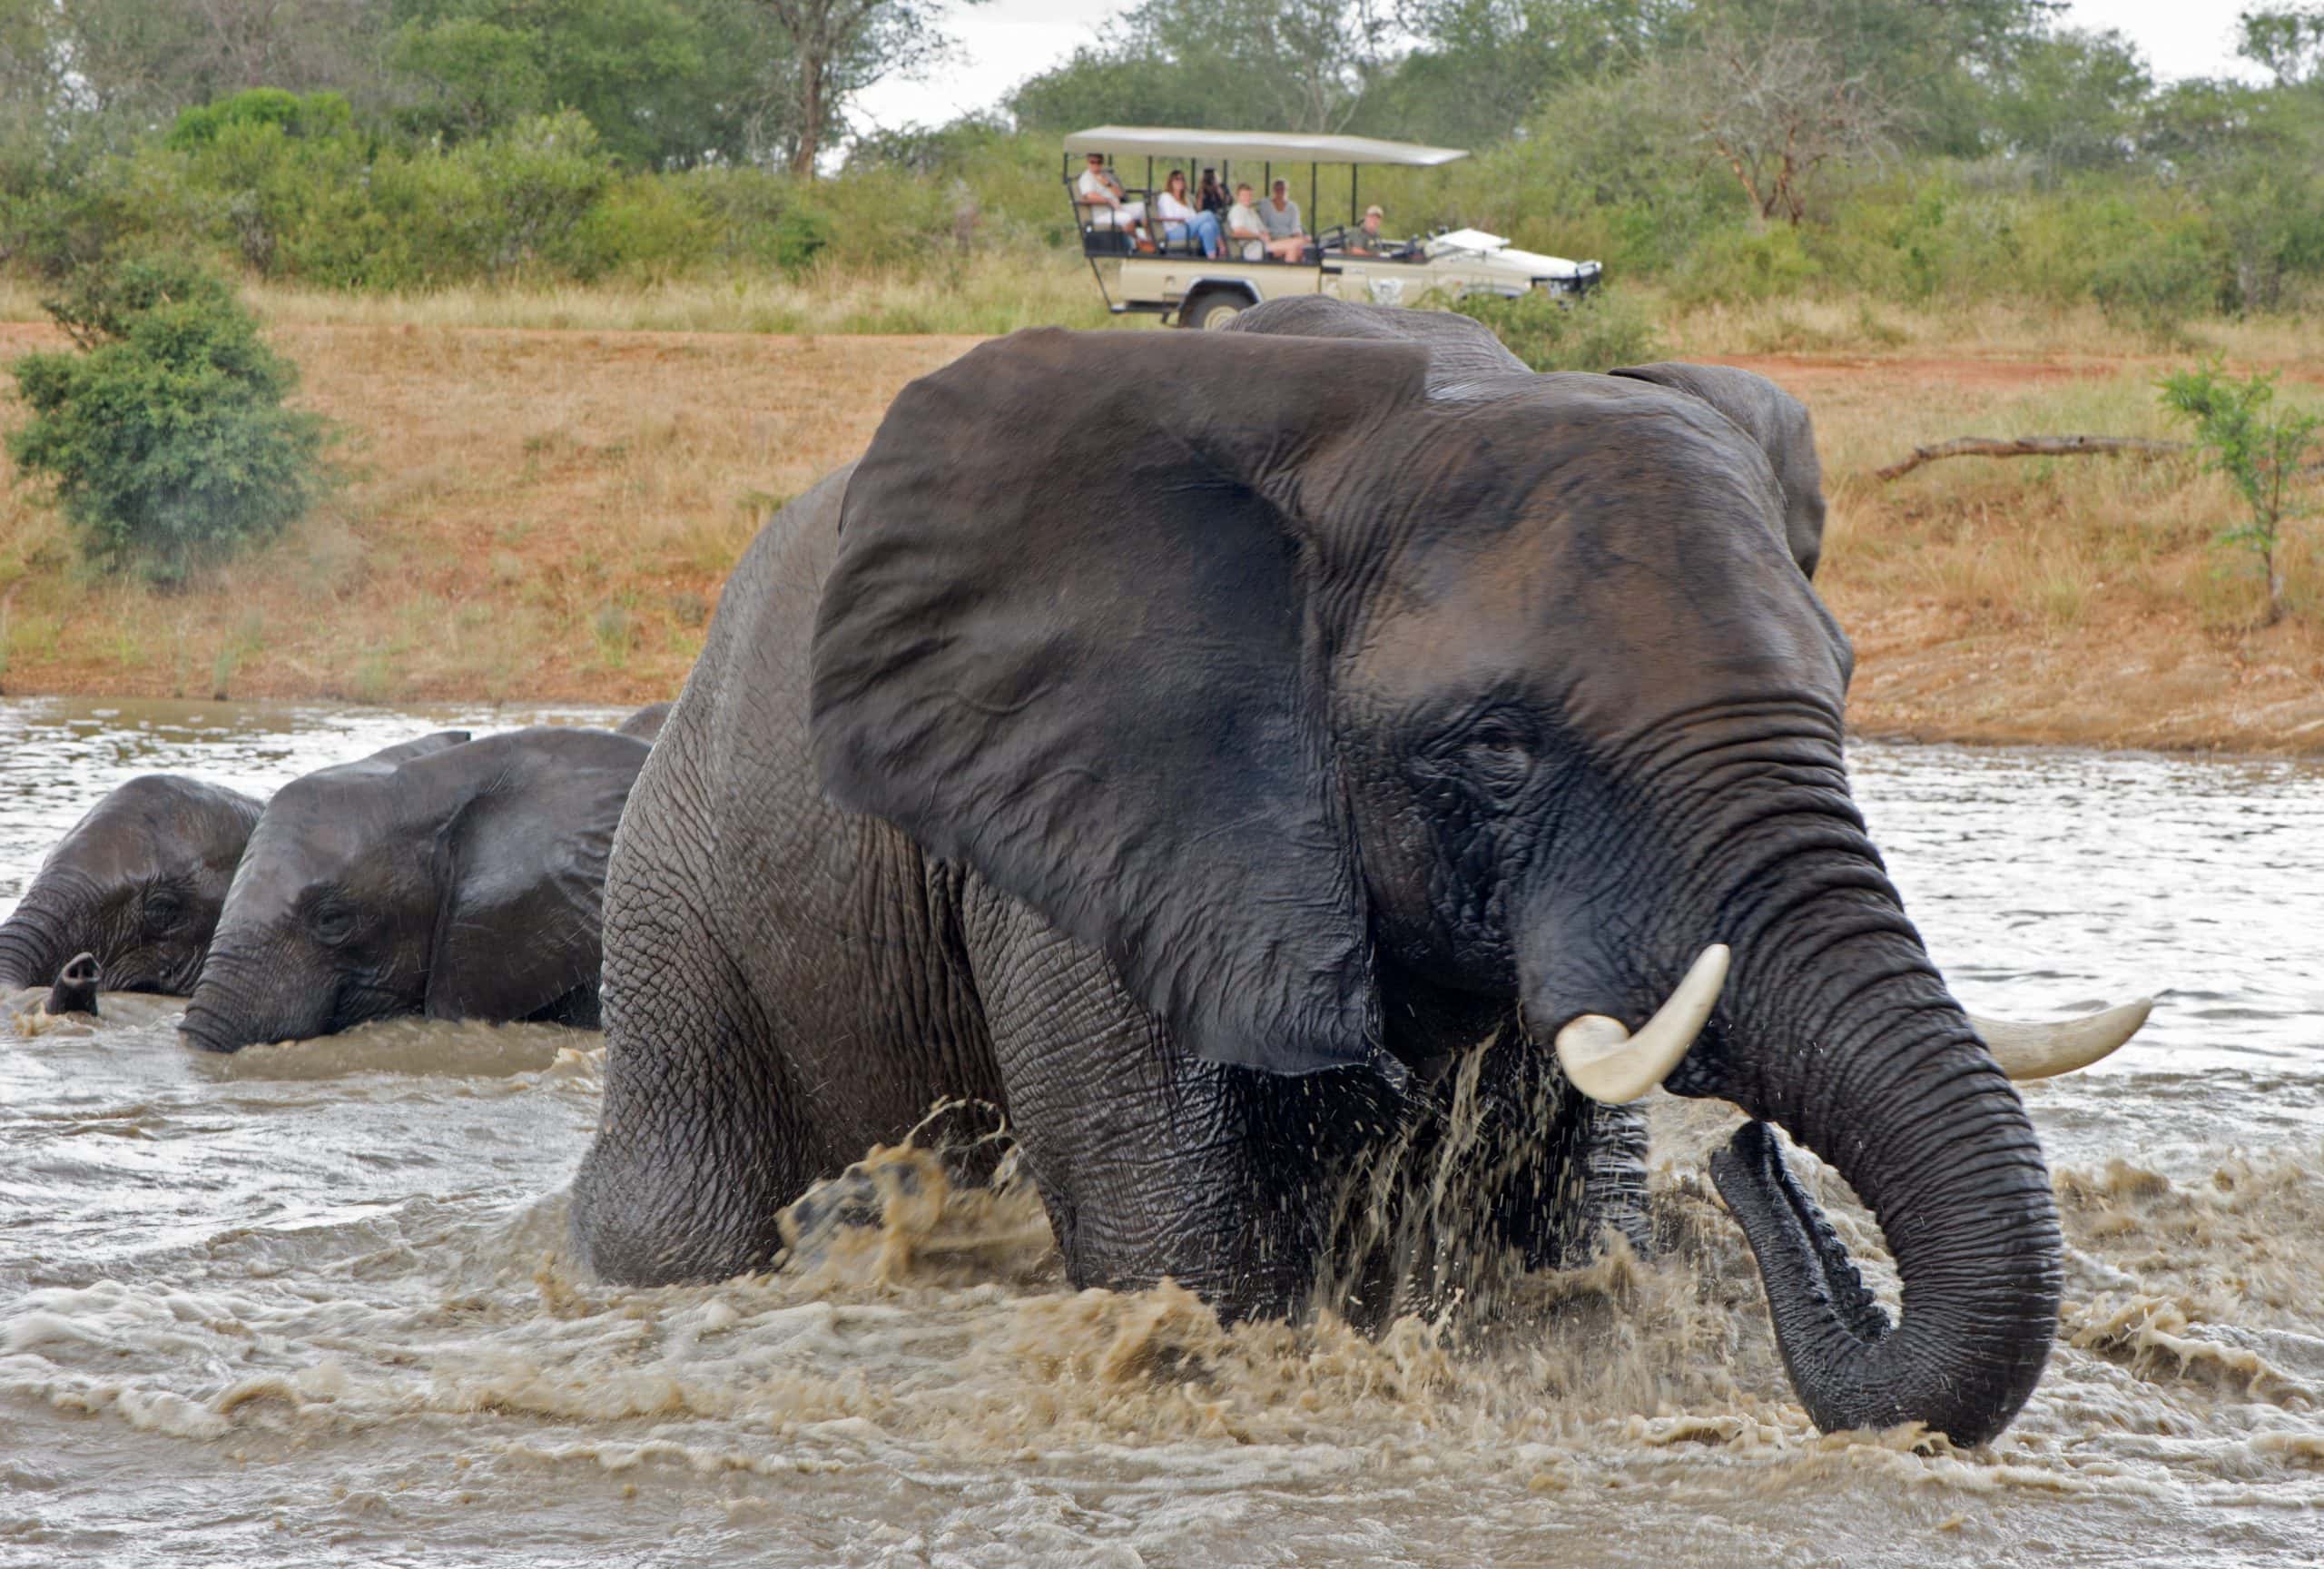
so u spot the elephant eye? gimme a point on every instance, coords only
(164, 910)
(1499, 755)
(331, 923)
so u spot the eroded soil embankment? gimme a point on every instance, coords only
(548, 516)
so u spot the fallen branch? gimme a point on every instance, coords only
(2028, 446)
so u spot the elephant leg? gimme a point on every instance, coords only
(1153, 1163)
(702, 1140)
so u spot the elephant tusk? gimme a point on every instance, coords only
(1607, 1064)
(2040, 1050)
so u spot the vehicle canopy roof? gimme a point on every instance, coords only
(1256, 146)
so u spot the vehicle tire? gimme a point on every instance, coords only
(1211, 309)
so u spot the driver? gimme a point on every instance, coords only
(1365, 241)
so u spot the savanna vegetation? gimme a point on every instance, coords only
(1906, 152)
(566, 278)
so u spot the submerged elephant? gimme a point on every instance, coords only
(462, 883)
(646, 723)
(135, 887)
(1462, 351)
(1224, 806)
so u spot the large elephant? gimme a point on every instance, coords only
(1225, 752)
(464, 882)
(137, 885)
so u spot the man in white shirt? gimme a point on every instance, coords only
(1101, 194)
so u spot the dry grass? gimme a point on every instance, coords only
(550, 514)
(983, 295)
(2078, 600)
(529, 515)
(1858, 328)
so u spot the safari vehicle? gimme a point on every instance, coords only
(1171, 278)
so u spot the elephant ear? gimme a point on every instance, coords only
(528, 825)
(1074, 638)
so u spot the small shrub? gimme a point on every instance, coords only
(2155, 286)
(801, 235)
(2259, 453)
(166, 435)
(1601, 330)
(1735, 266)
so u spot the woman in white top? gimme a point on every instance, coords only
(1179, 218)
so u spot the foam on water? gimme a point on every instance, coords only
(311, 1304)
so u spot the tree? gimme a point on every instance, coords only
(1479, 68)
(145, 62)
(1780, 113)
(1288, 64)
(2288, 41)
(2075, 101)
(665, 82)
(838, 48)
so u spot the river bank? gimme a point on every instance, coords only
(542, 515)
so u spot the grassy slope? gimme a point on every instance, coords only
(548, 513)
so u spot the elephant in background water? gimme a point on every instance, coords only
(461, 883)
(1362, 733)
(129, 898)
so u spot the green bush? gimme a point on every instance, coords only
(2259, 452)
(1596, 333)
(801, 235)
(166, 435)
(314, 117)
(1733, 265)
(2156, 285)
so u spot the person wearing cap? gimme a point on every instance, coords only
(1365, 241)
(1102, 194)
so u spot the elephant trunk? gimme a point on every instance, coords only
(1834, 1023)
(34, 945)
(1837, 1026)
(1902, 1099)
(237, 1002)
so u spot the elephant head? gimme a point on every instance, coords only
(1778, 423)
(136, 885)
(646, 723)
(1326, 698)
(461, 881)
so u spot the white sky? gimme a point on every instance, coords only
(1002, 41)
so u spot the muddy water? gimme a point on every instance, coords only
(309, 1305)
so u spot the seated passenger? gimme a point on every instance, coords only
(1101, 193)
(1364, 239)
(1249, 232)
(1212, 198)
(1179, 218)
(1279, 215)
